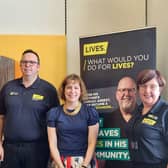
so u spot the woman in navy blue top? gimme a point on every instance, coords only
(148, 130)
(73, 127)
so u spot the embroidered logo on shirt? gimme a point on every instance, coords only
(37, 97)
(148, 121)
(153, 116)
(13, 93)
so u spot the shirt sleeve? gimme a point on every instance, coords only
(2, 103)
(93, 116)
(52, 116)
(53, 97)
(165, 124)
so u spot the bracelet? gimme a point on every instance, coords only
(84, 166)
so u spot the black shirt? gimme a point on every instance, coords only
(25, 109)
(148, 135)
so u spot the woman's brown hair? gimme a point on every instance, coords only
(76, 78)
(149, 74)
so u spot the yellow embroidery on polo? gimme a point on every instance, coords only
(37, 97)
(148, 121)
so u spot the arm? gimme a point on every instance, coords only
(1, 135)
(92, 139)
(52, 138)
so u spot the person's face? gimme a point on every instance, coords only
(126, 95)
(149, 92)
(29, 65)
(72, 91)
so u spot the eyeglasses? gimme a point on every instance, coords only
(129, 90)
(31, 63)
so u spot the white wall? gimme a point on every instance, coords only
(32, 17)
(90, 17)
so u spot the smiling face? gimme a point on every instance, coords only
(29, 65)
(149, 92)
(72, 91)
(126, 94)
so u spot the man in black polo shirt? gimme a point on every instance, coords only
(126, 98)
(24, 103)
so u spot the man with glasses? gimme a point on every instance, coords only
(24, 103)
(126, 98)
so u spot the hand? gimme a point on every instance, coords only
(1, 152)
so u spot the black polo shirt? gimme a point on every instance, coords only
(148, 135)
(25, 109)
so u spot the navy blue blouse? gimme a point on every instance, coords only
(72, 130)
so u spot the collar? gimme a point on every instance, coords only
(156, 107)
(34, 85)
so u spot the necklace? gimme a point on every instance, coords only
(76, 111)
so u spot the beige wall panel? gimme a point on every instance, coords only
(90, 17)
(157, 16)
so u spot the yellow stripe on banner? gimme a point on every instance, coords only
(95, 48)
